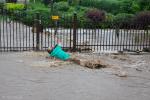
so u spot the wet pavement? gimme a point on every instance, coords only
(21, 81)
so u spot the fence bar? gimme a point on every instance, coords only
(37, 32)
(0, 37)
(74, 31)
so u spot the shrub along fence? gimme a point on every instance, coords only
(23, 30)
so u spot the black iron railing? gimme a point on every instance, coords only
(21, 32)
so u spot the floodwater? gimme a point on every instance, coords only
(19, 80)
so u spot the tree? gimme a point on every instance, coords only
(47, 2)
(126, 6)
(144, 4)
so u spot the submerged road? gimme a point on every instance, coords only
(21, 81)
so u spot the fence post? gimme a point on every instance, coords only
(148, 36)
(74, 31)
(37, 25)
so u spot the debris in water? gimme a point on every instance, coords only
(121, 74)
(19, 61)
(140, 70)
(52, 63)
(88, 61)
(121, 57)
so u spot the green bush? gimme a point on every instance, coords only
(110, 17)
(123, 19)
(1, 5)
(35, 0)
(31, 15)
(96, 15)
(90, 3)
(119, 11)
(144, 4)
(126, 6)
(107, 5)
(143, 18)
(135, 7)
(34, 6)
(61, 6)
(28, 16)
(109, 20)
(118, 6)
(79, 10)
(47, 2)
(14, 6)
(60, 0)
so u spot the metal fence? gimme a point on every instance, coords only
(14, 36)
(117, 38)
(18, 35)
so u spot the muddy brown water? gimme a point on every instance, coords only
(19, 80)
